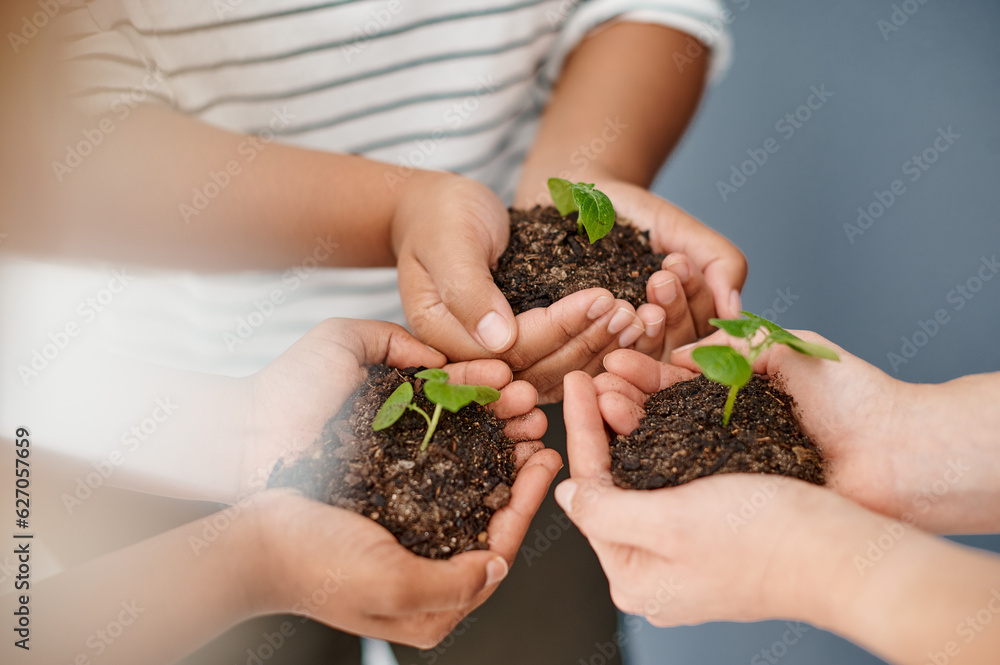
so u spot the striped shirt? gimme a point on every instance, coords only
(454, 85)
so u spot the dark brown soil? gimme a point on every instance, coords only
(547, 260)
(681, 437)
(437, 503)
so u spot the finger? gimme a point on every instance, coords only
(604, 512)
(651, 342)
(586, 440)
(528, 427)
(417, 584)
(544, 330)
(644, 373)
(486, 372)
(699, 297)
(516, 399)
(620, 412)
(509, 524)
(524, 450)
(665, 290)
(626, 324)
(610, 382)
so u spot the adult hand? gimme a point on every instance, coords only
(688, 554)
(447, 233)
(885, 442)
(387, 591)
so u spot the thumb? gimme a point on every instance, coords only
(725, 276)
(453, 584)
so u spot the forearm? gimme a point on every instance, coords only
(152, 602)
(619, 108)
(173, 191)
(951, 434)
(892, 588)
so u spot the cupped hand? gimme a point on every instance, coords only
(692, 553)
(865, 422)
(447, 234)
(386, 590)
(702, 275)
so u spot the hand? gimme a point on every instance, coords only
(879, 436)
(447, 233)
(388, 592)
(692, 554)
(702, 275)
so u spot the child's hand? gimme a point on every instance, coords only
(447, 233)
(702, 275)
(879, 436)
(693, 553)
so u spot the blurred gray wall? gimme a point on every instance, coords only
(893, 90)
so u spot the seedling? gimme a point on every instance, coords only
(726, 365)
(444, 395)
(597, 216)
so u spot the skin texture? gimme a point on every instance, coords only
(852, 560)
(279, 547)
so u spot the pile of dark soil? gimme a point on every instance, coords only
(547, 260)
(681, 437)
(437, 503)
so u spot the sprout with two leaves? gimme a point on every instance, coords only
(597, 216)
(726, 365)
(442, 394)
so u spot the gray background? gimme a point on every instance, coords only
(940, 69)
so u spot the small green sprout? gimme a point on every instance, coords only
(453, 397)
(726, 365)
(597, 216)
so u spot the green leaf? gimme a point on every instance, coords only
(761, 322)
(596, 212)
(451, 396)
(562, 195)
(804, 347)
(740, 328)
(433, 374)
(394, 406)
(485, 394)
(723, 364)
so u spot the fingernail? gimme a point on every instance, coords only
(734, 303)
(621, 320)
(665, 291)
(653, 329)
(632, 333)
(494, 331)
(600, 307)
(496, 570)
(678, 266)
(564, 494)
(685, 347)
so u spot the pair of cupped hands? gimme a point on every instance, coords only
(447, 239)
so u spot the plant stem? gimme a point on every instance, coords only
(431, 426)
(729, 405)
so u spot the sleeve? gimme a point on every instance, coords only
(705, 20)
